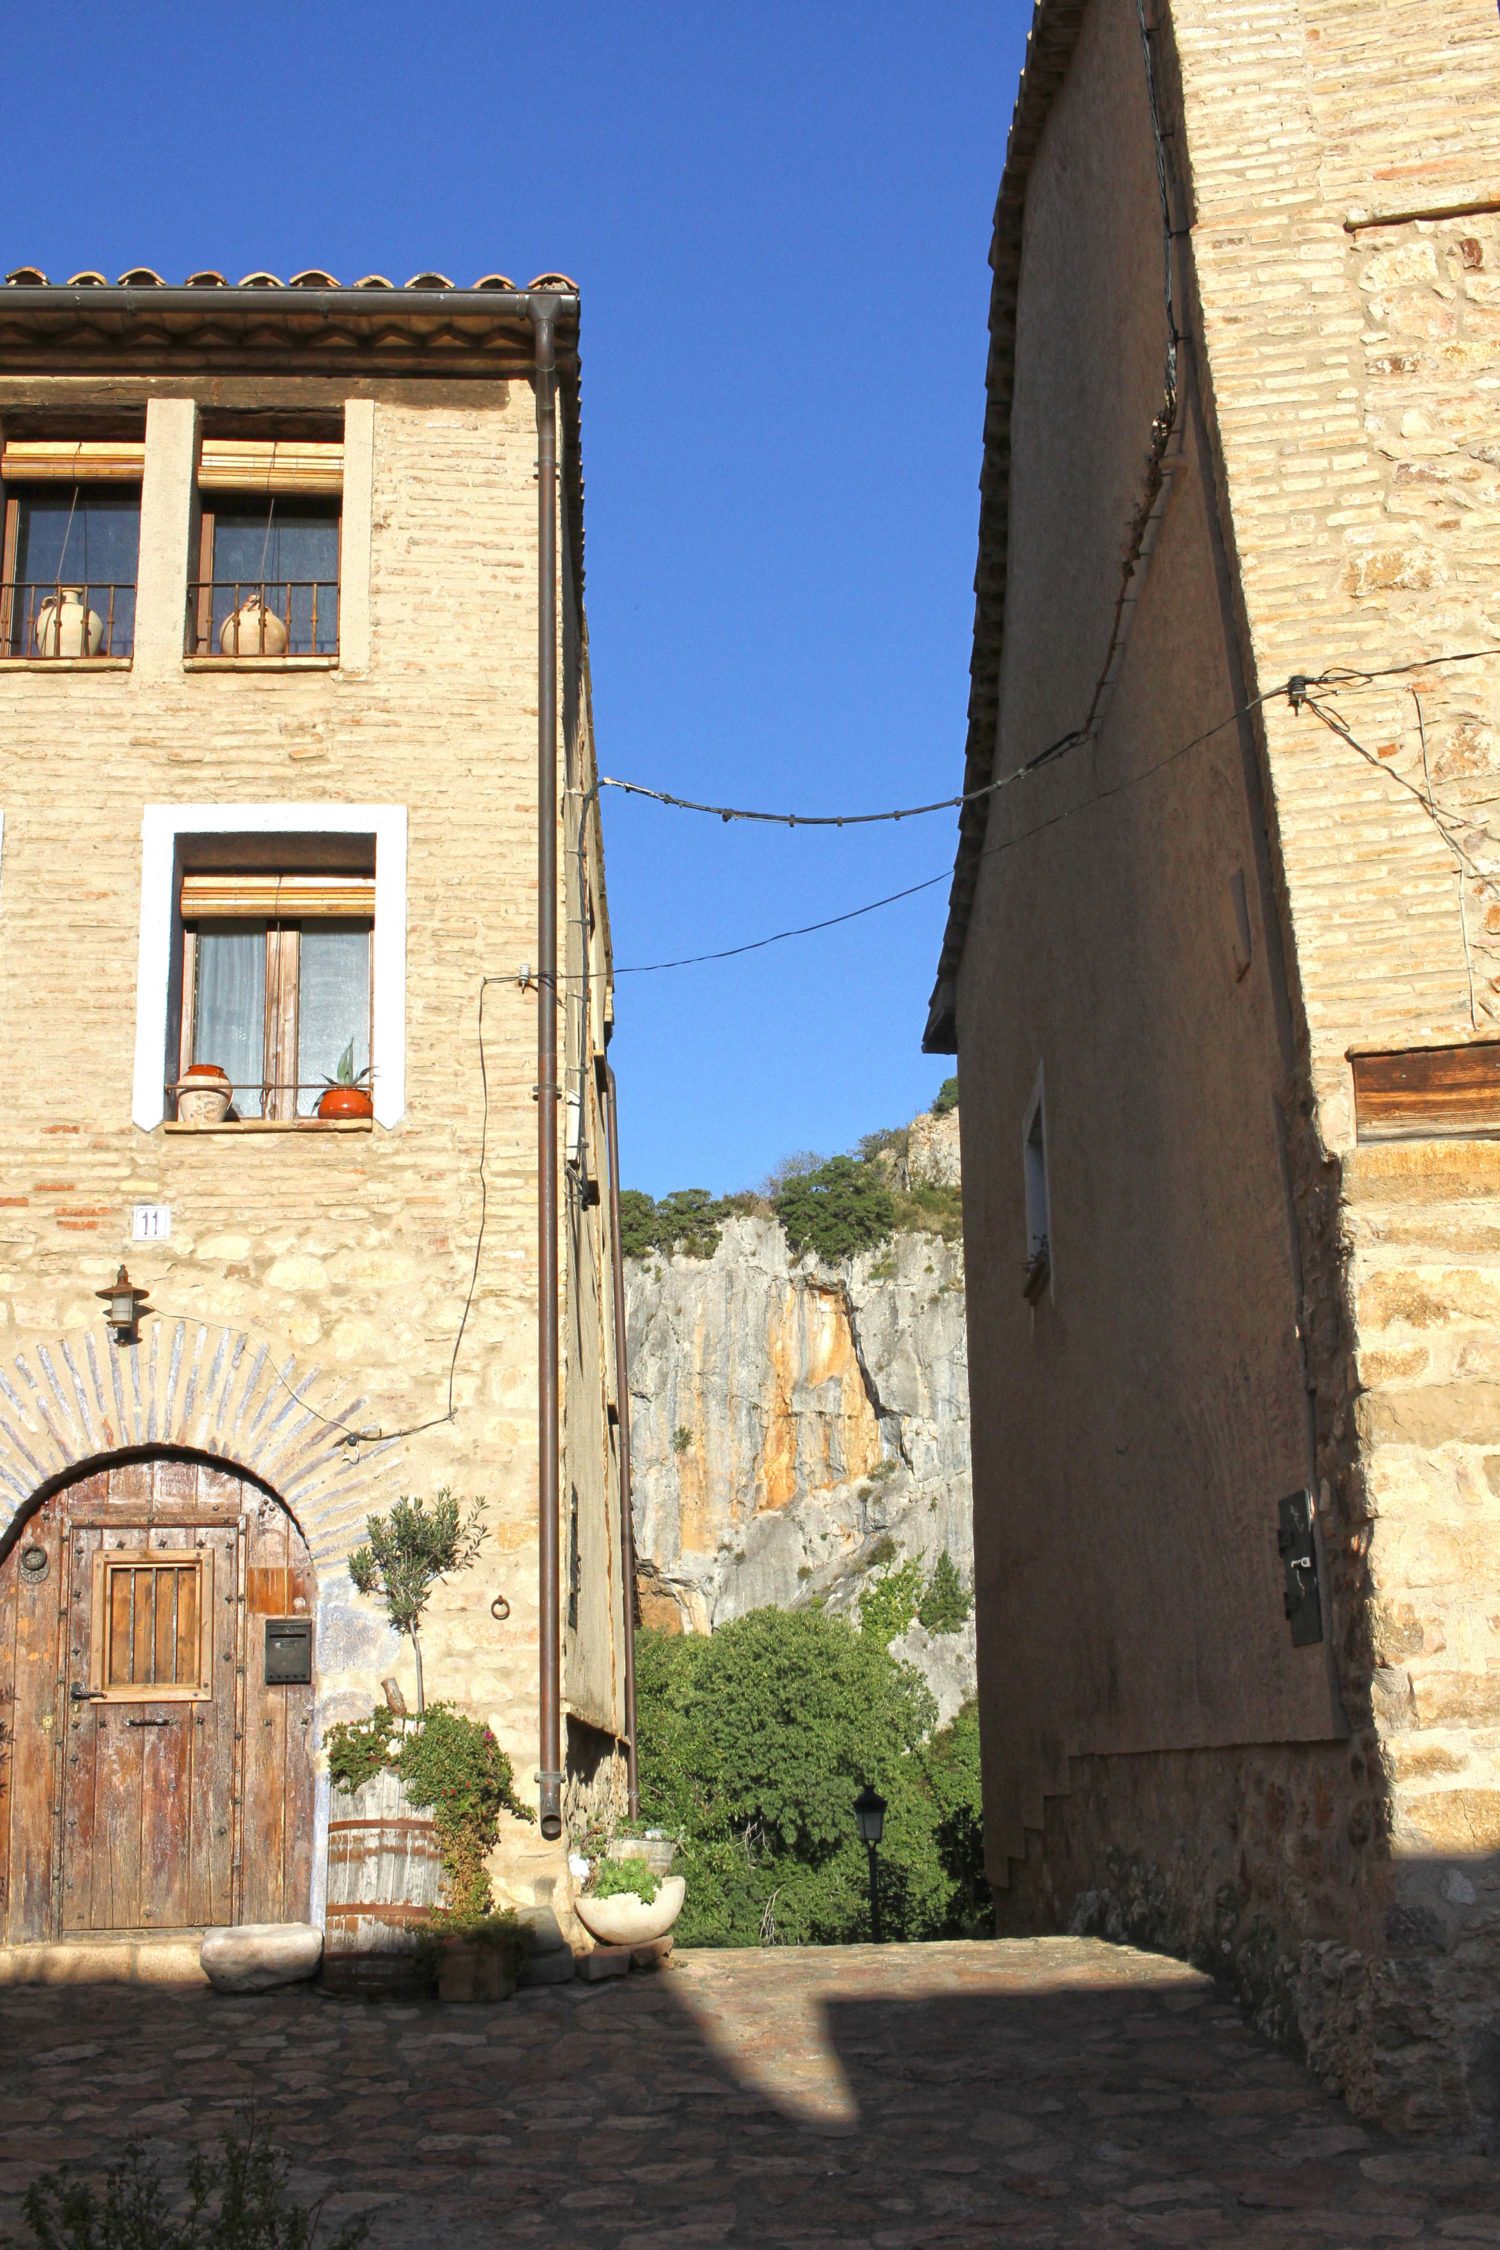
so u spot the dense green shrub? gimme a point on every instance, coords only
(889, 1603)
(689, 1220)
(754, 1744)
(237, 2199)
(841, 1208)
(947, 1098)
(946, 1601)
(637, 1223)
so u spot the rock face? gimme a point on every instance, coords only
(795, 1424)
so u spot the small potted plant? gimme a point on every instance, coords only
(627, 1903)
(204, 1094)
(347, 1094)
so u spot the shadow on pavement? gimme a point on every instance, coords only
(946, 2096)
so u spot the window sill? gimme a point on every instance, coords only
(274, 1125)
(65, 663)
(259, 663)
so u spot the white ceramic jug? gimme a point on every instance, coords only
(252, 630)
(64, 627)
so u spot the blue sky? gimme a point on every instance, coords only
(779, 217)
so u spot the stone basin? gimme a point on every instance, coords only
(628, 1919)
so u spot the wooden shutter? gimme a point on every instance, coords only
(278, 898)
(270, 465)
(69, 461)
(152, 1627)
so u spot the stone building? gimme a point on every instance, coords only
(297, 781)
(1223, 976)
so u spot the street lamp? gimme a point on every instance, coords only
(869, 1815)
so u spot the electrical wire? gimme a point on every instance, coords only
(1294, 688)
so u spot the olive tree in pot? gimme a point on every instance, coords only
(405, 1555)
(442, 1762)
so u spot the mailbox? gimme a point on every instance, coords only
(288, 1651)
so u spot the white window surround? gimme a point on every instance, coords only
(161, 826)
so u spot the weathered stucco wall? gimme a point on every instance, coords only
(1244, 1300)
(346, 1257)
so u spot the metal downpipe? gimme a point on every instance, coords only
(622, 1393)
(549, 1774)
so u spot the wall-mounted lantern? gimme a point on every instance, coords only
(123, 1306)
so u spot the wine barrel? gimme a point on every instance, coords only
(384, 1879)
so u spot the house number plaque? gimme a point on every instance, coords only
(150, 1222)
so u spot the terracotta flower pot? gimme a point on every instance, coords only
(346, 1101)
(204, 1095)
(471, 1969)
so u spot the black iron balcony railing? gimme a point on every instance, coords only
(267, 617)
(66, 618)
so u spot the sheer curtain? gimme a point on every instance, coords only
(229, 1007)
(333, 1005)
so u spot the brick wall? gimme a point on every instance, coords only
(349, 1256)
(1334, 510)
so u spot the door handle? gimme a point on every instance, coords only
(148, 1722)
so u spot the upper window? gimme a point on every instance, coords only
(276, 993)
(267, 584)
(72, 530)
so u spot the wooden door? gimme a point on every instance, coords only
(152, 1777)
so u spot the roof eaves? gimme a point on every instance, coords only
(1050, 43)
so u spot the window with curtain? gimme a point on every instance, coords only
(276, 986)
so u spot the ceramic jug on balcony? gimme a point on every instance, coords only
(252, 630)
(66, 627)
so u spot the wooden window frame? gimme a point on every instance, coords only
(12, 496)
(279, 1031)
(107, 1559)
(202, 622)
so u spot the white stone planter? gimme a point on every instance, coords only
(627, 1919)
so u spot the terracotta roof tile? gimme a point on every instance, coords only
(313, 277)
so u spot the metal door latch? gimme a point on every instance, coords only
(1297, 1545)
(148, 1722)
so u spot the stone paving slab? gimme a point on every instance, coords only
(944, 2097)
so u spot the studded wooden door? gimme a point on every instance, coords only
(153, 1778)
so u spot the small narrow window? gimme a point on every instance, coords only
(71, 541)
(1038, 1199)
(151, 1625)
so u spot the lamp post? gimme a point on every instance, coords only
(869, 1814)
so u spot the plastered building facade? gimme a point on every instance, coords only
(339, 1313)
(1223, 980)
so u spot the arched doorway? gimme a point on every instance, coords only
(156, 1705)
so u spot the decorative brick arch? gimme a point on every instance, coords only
(210, 1390)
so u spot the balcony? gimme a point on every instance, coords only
(263, 620)
(51, 620)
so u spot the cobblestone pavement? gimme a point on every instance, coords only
(945, 2096)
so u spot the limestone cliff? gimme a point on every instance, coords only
(795, 1423)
